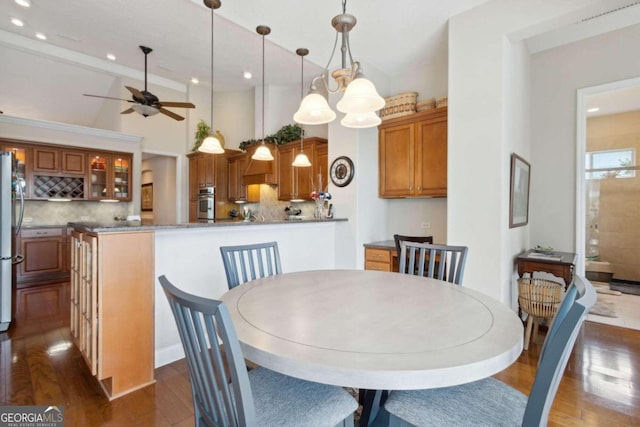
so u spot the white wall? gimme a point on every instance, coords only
(486, 82)
(556, 76)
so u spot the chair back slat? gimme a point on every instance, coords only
(219, 380)
(243, 263)
(556, 350)
(444, 262)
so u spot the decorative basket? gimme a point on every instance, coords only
(400, 105)
(426, 104)
(539, 297)
(441, 102)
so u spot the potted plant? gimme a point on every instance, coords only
(202, 131)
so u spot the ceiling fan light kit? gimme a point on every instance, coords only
(146, 103)
(262, 152)
(211, 144)
(360, 95)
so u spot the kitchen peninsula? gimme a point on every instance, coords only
(127, 259)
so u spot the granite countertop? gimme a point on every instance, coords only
(120, 226)
(384, 244)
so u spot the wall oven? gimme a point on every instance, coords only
(207, 203)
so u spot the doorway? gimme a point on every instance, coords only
(161, 180)
(608, 197)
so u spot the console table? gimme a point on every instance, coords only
(560, 264)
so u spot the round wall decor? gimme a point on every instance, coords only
(341, 171)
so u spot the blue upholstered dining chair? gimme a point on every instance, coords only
(243, 263)
(491, 402)
(225, 394)
(424, 259)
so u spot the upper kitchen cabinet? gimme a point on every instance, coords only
(58, 173)
(206, 170)
(236, 166)
(297, 183)
(413, 155)
(110, 176)
(58, 161)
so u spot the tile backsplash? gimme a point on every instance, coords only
(56, 213)
(273, 209)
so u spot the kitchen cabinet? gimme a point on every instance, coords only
(236, 167)
(381, 256)
(297, 183)
(413, 155)
(44, 251)
(112, 303)
(206, 170)
(54, 160)
(110, 176)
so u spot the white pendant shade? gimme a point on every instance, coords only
(262, 153)
(211, 145)
(314, 110)
(359, 121)
(360, 97)
(301, 161)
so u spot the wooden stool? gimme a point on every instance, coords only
(540, 299)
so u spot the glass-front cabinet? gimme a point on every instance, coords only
(110, 177)
(19, 161)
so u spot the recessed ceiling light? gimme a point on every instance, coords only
(195, 81)
(247, 75)
(593, 110)
(41, 36)
(111, 56)
(17, 22)
(23, 3)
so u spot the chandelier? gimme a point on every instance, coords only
(360, 100)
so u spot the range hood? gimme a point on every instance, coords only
(258, 171)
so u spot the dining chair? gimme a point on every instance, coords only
(225, 394)
(424, 259)
(399, 238)
(243, 263)
(492, 402)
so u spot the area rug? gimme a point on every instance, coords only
(625, 288)
(605, 309)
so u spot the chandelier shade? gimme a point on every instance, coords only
(359, 121)
(211, 144)
(314, 110)
(360, 95)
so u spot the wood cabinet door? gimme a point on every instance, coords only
(396, 161)
(89, 302)
(43, 251)
(303, 176)
(46, 160)
(76, 280)
(193, 178)
(319, 166)
(431, 158)
(73, 162)
(222, 176)
(285, 173)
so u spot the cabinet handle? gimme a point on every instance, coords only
(419, 187)
(411, 188)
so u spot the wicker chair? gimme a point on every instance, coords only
(540, 299)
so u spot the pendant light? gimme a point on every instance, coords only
(263, 153)
(211, 144)
(360, 95)
(301, 160)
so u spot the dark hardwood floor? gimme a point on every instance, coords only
(40, 365)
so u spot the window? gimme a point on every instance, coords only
(611, 164)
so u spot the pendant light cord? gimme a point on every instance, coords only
(301, 97)
(212, 32)
(263, 71)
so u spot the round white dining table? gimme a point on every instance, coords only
(373, 330)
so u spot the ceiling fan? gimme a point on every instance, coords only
(145, 102)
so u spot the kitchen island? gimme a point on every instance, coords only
(189, 255)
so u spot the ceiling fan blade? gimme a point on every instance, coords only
(128, 111)
(135, 92)
(170, 114)
(176, 104)
(107, 97)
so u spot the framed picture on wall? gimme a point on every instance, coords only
(146, 197)
(519, 194)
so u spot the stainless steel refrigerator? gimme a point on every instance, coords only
(11, 212)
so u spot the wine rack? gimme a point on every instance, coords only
(58, 186)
